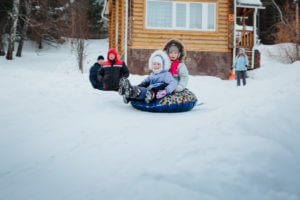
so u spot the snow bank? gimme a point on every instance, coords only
(284, 53)
(250, 2)
(60, 139)
(240, 27)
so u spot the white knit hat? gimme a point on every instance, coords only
(160, 57)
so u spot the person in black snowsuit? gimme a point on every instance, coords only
(112, 71)
(93, 73)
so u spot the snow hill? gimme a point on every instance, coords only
(60, 139)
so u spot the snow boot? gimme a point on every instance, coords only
(122, 86)
(150, 96)
(135, 92)
(127, 88)
(125, 99)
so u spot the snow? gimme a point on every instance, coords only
(241, 27)
(60, 139)
(250, 2)
(284, 52)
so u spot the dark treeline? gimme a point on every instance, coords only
(279, 23)
(278, 15)
(48, 21)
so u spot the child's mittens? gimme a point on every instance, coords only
(161, 93)
(179, 88)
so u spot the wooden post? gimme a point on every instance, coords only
(126, 31)
(297, 31)
(117, 25)
(254, 37)
(234, 33)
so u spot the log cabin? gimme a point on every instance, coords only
(211, 30)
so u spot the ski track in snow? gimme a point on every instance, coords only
(61, 139)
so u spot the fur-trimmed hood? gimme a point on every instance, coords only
(164, 56)
(179, 45)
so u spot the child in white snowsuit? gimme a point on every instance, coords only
(240, 66)
(157, 85)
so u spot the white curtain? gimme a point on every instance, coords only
(211, 16)
(159, 14)
(196, 15)
(181, 15)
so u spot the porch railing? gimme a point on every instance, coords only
(244, 38)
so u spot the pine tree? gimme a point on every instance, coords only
(94, 16)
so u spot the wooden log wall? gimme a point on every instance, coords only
(112, 21)
(117, 25)
(231, 26)
(142, 38)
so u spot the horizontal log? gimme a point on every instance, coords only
(138, 5)
(226, 6)
(185, 41)
(223, 23)
(138, 22)
(138, 18)
(186, 37)
(189, 48)
(137, 14)
(222, 27)
(222, 13)
(178, 32)
(223, 10)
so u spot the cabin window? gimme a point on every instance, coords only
(159, 14)
(196, 15)
(178, 15)
(181, 15)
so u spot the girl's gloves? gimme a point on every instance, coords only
(161, 93)
(179, 88)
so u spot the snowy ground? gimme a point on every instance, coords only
(62, 140)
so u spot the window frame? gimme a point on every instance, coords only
(187, 28)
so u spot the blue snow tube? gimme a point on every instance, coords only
(175, 102)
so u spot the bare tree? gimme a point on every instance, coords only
(282, 18)
(287, 30)
(79, 29)
(14, 16)
(297, 30)
(2, 52)
(5, 5)
(3, 25)
(24, 27)
(49, 21)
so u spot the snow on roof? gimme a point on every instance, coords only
(250, 2)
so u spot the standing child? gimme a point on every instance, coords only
(97, 84)
(157, 85)
(112, 71)
(176, 52)
(240, 66)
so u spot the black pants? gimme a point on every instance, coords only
(241, 75)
